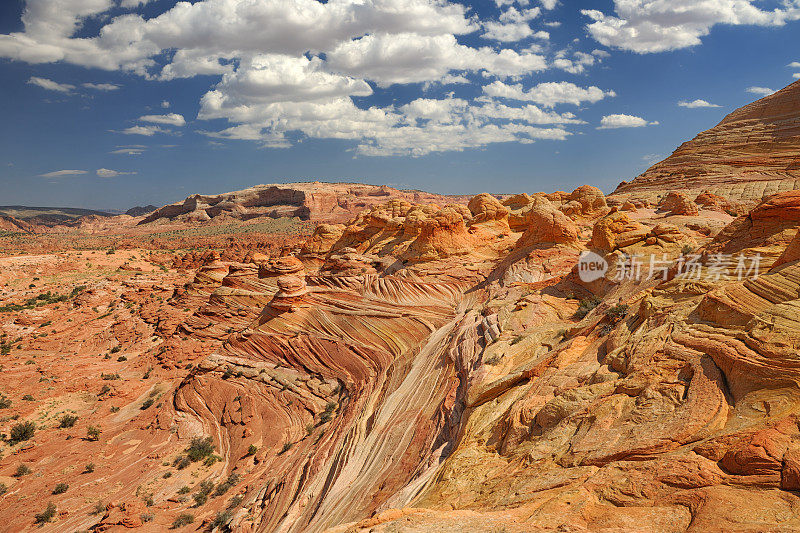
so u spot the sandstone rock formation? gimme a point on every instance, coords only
(420, 367)
(328, 202)
(677, 203)
(752, 154)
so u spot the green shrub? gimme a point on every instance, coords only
(235, 501)
(286, 447)
(60, 488)
(22, 470)
(586, 305)
(183, 519)
(98, 508)
(200, 448)
(146, 404)
(181, 462)
(29, 398)
(3, 489)
(89, 468)
(221, 520)
(67, 421)
(252, 449)
(93, 433)
(203, 490)
(5, 402)
(618, 311)
(226, 485)
(184, 490)
(146, 517)
(46, 515)
(22, 431)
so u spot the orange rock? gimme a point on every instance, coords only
(748, 156)
(677, 203)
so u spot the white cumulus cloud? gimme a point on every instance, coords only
(548, 94)
(170, 119)
(648, 26)
(761, 91)
(696, 104)
(610, 122)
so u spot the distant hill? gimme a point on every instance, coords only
(752, 154)
(314, 201)
(22, 212)
(140, 210)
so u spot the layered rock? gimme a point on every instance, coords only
(323, 202)
(752, 154)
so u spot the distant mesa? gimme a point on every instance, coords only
(313, 201)
(752, 154)
(44, 216)
(140, 210)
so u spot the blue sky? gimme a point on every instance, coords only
(108, 104)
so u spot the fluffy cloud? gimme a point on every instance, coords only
(133, 4)
(513, 26)
(279, 78)
(610, 122)
(648, 26)
(696, 103)
(578, 63)
(170, 119)
(761, 91)
(51, 85)
(282, 69)
(548, 94)
(411, 58)
(62, 173)
(108, 173)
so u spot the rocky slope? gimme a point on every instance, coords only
(753, 153)
(421, 367)
(328, 202)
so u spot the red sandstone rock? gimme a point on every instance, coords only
(748, 156)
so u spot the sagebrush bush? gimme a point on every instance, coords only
(183, 519)
(93, 433)
(46, 515)
(200, 448)
(586, 305)
(67, 421)
(22, 431)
